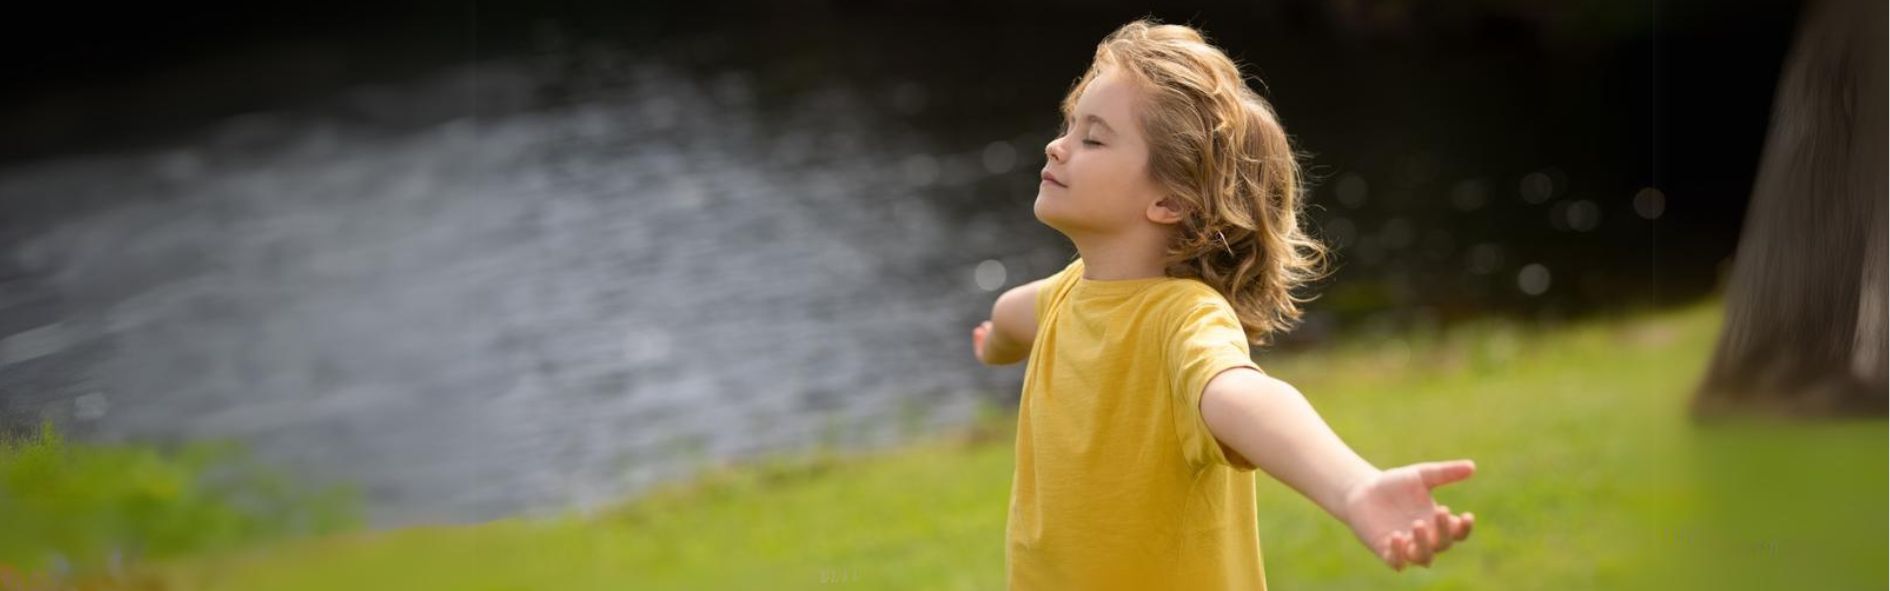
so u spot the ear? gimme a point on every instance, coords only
(1167, 210)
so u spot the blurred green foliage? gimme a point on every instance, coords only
(69, 508)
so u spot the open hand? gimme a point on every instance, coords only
(978, 336)
(1393, 513)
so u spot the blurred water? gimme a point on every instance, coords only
(537, 307)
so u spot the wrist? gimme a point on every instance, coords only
(1352, 491)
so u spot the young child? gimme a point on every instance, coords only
(1143, 414)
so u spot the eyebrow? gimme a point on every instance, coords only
(1099, 121)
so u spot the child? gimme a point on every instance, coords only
(1143, 414)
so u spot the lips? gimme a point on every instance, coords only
(1052, 179)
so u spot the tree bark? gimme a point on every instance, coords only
(1804, 332)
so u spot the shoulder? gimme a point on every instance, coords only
(1067, 276)
(1195, 291)
(1180, 298)
(1056, 285)
(1188, 309)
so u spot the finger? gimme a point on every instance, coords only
(1469, 522)
(1422, 540)
(1388, 551)
(1400, 546)
(1410, 552)
(1440, 520)
(1437, 474)
(1459, 529)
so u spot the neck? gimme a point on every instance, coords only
(1135, 254)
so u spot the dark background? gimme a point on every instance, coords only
(1608, 97)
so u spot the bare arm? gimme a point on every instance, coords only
(1271, 425)
(1005, 338)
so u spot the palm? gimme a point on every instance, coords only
(1394, 515)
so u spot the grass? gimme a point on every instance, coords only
(71, 509)
(1590, 477)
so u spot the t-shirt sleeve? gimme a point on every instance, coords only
(1206, 341)
(1057, 283)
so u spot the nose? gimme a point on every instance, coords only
(1054, 149)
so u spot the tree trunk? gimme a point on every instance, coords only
(1804, 333)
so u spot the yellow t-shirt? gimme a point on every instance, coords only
(1119, 483)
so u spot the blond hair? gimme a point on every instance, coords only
(1217, 147)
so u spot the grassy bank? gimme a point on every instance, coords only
(1590, 477)
(77, 511)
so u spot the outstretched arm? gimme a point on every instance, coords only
(1271, 425)
(1005, 338)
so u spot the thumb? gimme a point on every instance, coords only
(1437, 474)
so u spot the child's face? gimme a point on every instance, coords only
(1099, 164)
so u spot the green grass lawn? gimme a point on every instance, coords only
(1590, 477)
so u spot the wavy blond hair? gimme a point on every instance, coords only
(1217, 146)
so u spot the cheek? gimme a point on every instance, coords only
(1095, 173)
(1111, 181)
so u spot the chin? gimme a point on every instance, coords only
(1056, 220)
(1044, 212)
